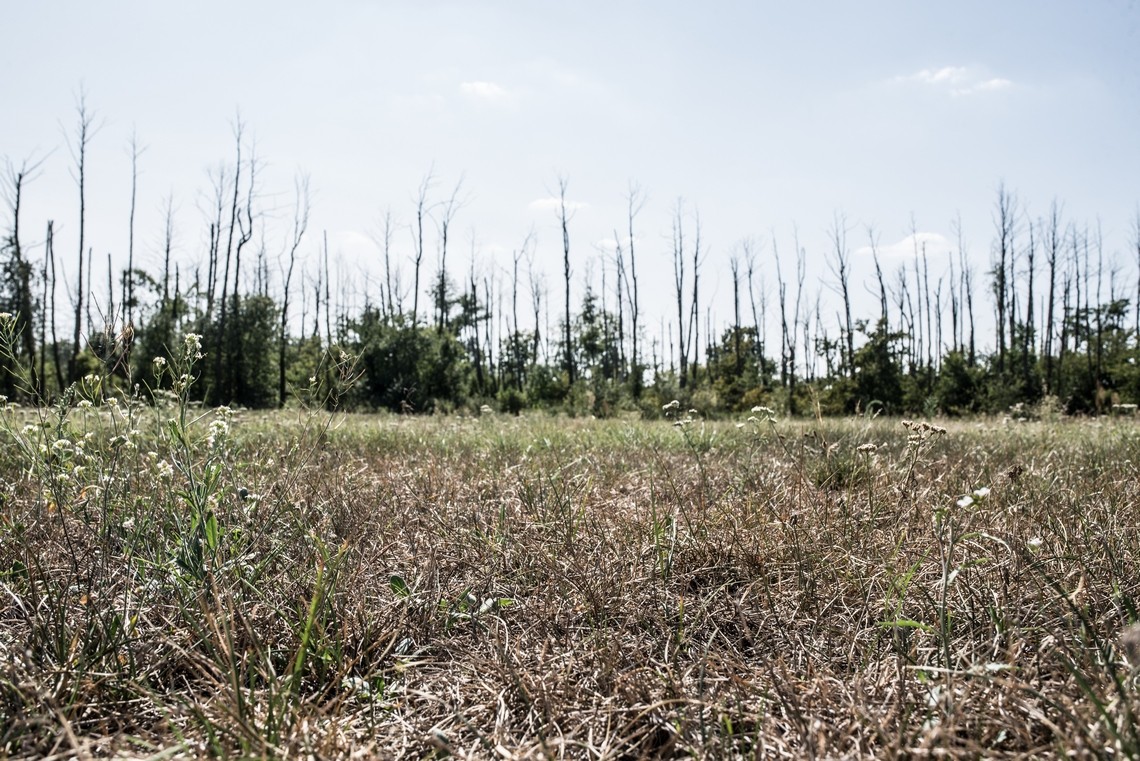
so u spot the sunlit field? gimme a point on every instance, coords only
(183, 582)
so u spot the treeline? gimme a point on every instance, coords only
(1066, 329)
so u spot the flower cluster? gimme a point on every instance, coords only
(977, 497)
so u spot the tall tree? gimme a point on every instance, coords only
(85, 130)
(422, 210)
(635, 201)
(301, 208)
(840, 264)
(129, 296)
(884, 312)
(18, 270)
(679, 285)
(1052, 240)
(564, 222)
(448, 210)
(1005, 215)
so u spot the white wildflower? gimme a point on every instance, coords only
(193, 345)
(218, 431)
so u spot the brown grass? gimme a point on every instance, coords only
(586, 589)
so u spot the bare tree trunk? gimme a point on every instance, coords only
(966, 274)
(787, 347)
(564, 219)
(129, 296)
(422, 210)
(480, 380)
(679, 283)
(1136, 247)
(515, 337)
(635, 201)
(884, 312)
(619, 276)
(931, 349)
(1052, 248)
(1097, 308)
(488, 321)
(1029, 339)
(1006, 212)
(49, 263)
(536, 303)
(734, 266)
(301, 207)
(938, 324)
(748, 248)
(328, 292)
(840, 265)
(84, 132)
(955, 307)
(220, 350)
(386, 303)
(694, 314)
(20, 272)
(1064, 339)
(447, 215)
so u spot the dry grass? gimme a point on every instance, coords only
(503, 587)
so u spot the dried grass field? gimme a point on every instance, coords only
(182, 583)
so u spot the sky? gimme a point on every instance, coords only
(769, 120)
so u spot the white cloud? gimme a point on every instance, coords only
(946, 75)
(353, 245)
(609, 245)
(937, 247)
(994, 84)
(956, 80)
(487, 91)
(552, 203)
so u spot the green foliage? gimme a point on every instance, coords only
(408, 368)
(877, 371)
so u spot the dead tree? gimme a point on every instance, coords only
(448, 211)
(884, 311)
(679, 285)
(840, 265)
(734, 266)
(635, 200)
(1004, 216)
(129, 296)
(422, 210)
(18, 271)
(301, 207)
(564, 220)
(84, 131)
(694, 314)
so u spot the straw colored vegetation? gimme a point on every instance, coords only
(178, 582)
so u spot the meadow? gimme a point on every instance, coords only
(180, 582)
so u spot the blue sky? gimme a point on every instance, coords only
(769, 118)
